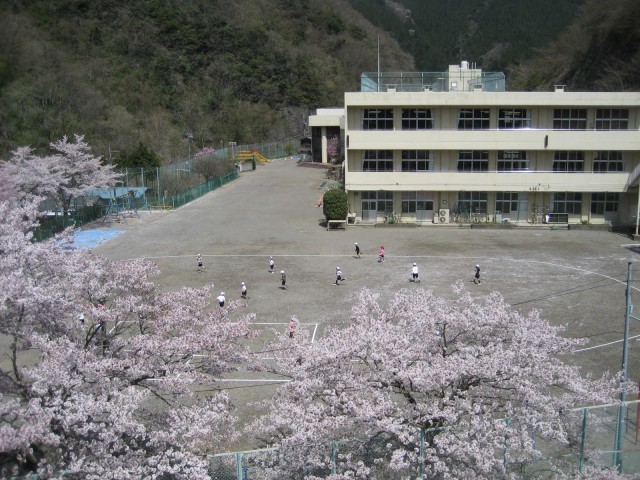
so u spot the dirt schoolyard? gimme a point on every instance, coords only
(575, 278)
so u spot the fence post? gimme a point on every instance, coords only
(583, 439)
(158, 183)
(421, 454)
(239, 465)
(505, 459)
(334, 457)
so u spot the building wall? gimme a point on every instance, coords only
(443, 183)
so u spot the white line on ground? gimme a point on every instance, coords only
(604, 344)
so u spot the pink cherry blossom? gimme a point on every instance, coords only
(475, 376)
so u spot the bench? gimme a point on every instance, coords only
(337, 224)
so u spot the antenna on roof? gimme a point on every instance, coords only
(378, 63)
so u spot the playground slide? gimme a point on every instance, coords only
(245, 155)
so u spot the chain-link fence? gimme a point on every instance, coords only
(603, 436)
(166, 187)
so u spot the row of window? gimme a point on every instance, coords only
(478, 161)
(508, 119)
(506, 202)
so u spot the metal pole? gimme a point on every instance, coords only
(158, 183)
(334, 457)
(421, 454)
(583, 438)
(239, 465)
(623, 380)
(638, 211)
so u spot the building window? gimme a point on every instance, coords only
(377, 161)
(413, 202)
(416, 161)
(567, 202)
(604, 202)
(507, 202)
(377, 119)
(568, 162)
(473, 119)
(512, 161)
(473, 161)
(379, 201)
(607, 162)
(512, 118)
(473, 202)
(612, 118)
(570, 119)
(417, 119)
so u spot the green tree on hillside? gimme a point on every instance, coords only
(141, 156)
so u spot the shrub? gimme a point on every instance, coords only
(334, 205)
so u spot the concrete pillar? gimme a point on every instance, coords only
(324, 145)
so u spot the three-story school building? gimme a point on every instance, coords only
(455, 146)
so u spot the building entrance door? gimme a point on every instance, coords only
(369, 210)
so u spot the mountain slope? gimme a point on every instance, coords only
(600, 51)
(161, 71)
(490, 33)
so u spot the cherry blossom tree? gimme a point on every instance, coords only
(105, 375)
(70, 171)
(447, 388)
(333, 147)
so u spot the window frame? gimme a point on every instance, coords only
(604, 163)
(510, 199)
(381, 159)
(569, 118)
(416, 161)
(604, 202)
(478, 160)
(473, 202)
(413, 120)
(412, 201)
(568, 161)
(606, 119)
(517, 159)
(382, 120)
(513, 122)
(383, 199)
(563, 200)
(474, 118)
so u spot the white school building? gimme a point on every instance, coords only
(454, 146)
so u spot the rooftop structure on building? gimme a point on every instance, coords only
(459, 78)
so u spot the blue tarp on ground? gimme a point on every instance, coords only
(86, 239)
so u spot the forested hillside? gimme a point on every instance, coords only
(490, 33)
(163, 71)
(600, 51)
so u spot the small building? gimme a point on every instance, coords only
(432, 146)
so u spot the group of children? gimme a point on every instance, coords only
(415, 274)
(414, 270)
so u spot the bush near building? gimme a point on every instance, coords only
(335, 206)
